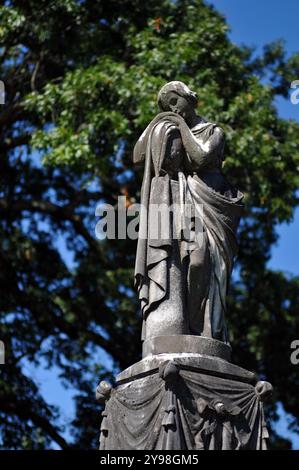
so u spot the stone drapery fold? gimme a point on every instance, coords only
(194, 411)
(219, 215)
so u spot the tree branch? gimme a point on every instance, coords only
(58, 212)
(25, 410)
(14, 142)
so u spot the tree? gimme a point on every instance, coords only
(81, 81)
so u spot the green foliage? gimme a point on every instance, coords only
(81, 81)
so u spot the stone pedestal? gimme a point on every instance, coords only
(190, 397)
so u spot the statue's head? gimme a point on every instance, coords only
(177, 97)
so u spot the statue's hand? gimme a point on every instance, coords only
(177, 119)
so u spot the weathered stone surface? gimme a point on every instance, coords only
(186, 344)
(176, 402)
(183, 264)
(184, 393)
(198, 362)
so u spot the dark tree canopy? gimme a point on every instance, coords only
(81, 80)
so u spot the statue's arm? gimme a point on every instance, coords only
(173, 151)
(201, 152)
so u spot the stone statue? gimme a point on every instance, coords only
(185, 393)
(182, 281)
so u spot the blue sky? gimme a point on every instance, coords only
(253, 23)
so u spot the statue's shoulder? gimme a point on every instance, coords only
(160, 128)
(207, 129)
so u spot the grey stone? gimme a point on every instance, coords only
(201, 363)
(176, 402)
(186, 344)
(103, 391)
(183, 264)
(185, 393)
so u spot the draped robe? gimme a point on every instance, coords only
(163, 263)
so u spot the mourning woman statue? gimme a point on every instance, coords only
(184, 258)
